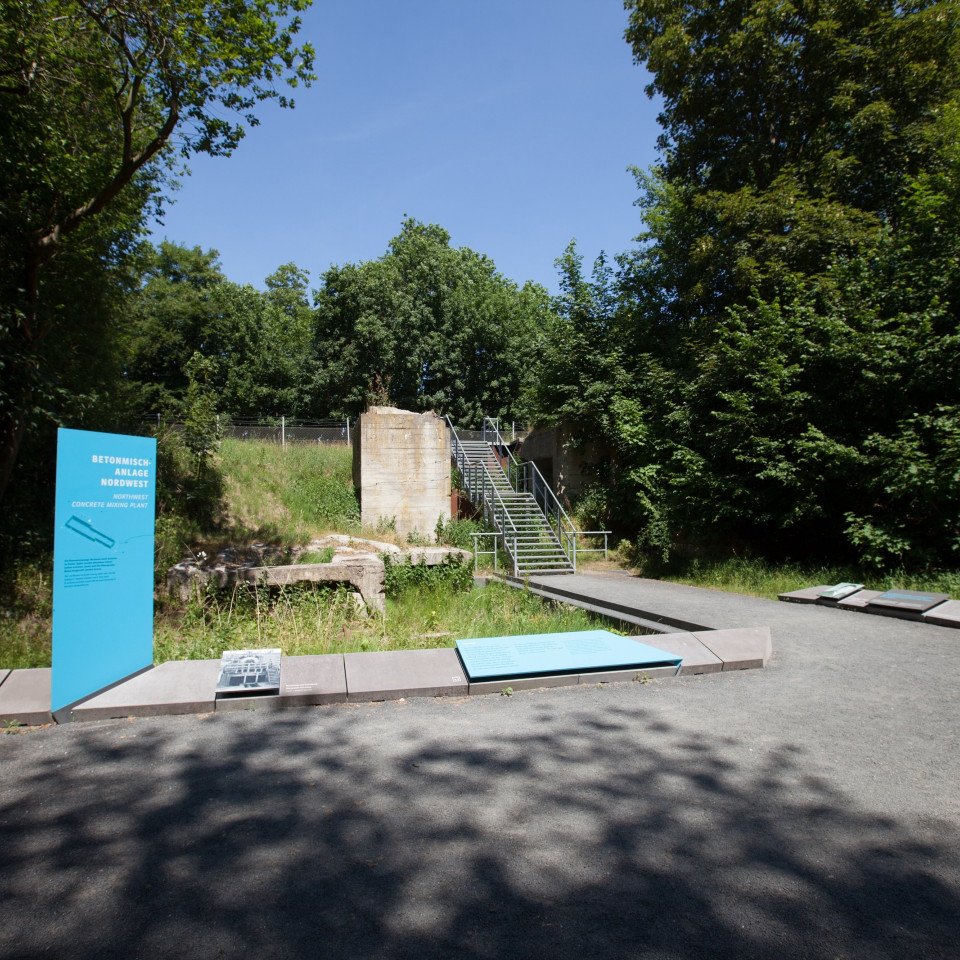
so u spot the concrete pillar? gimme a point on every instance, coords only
(401, 469)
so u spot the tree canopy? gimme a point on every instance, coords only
(96, 101)
(426, 326)
(792, 381)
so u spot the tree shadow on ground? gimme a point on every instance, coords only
(591, 835)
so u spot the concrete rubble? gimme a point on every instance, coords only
(355, 561)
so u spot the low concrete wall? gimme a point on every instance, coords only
(401, 469)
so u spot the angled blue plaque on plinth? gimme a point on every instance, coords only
(102, 562)
(544, 654)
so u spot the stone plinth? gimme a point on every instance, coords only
(401, 468)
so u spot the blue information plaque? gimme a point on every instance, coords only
(102, 562)
(542, 654)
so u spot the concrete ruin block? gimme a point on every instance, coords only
(436, 556)
(401, 469)
(365, 572)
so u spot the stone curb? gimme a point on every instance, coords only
(187, 686)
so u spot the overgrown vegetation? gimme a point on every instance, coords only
(290, 494)
(454, 575)
(776, 368)
(287, 497)
(309, 620)
(773, 371)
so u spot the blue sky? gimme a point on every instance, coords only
(511, 124)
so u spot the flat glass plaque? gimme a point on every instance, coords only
(246, 673)
(543, 654)
(840, 591)
(908, 600)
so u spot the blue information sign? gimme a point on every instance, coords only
(541, 654)
(102, 562)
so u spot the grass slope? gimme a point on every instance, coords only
(288, 494)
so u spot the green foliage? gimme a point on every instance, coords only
(454, 574)
(92, 94)
(312, 619)
(256, 346)
(288, 495)
(777, 366)
(318, 556)
(764, 579)
(426, 327)
(457, 533)
(201, 426)
(190, 499)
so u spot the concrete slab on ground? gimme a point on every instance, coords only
(392, 674)
(25, 697)
(739, 649)
(304, 682)
(3, 676)
(946, 615)
(696, 657)
(175, 687)
(806, 595)
(858, 600)
(667, 605)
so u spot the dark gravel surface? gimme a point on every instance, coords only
(811, 809)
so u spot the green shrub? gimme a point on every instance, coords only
(454, 573)
(457, 533)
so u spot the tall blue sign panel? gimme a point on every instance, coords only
(102, 562)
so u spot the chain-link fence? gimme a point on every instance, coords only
(280, 430)
(284, 430)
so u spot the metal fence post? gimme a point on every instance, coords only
(283, 431)
(348, 429)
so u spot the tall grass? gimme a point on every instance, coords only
(309, 620)
(288, 494)
(764, 579)
(26, 611)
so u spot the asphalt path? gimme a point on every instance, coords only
(807, 810)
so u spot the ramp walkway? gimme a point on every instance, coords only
(657, 605)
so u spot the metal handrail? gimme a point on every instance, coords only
(596, 533)
(494, 508)
(477, 552)
(524, 477)
(477, 480)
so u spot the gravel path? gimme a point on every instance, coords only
(808, 810)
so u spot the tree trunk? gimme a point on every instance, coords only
(12, 427)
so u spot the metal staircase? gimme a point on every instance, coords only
(529, 522)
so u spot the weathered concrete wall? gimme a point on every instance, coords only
(566, 468)
(401, 468)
